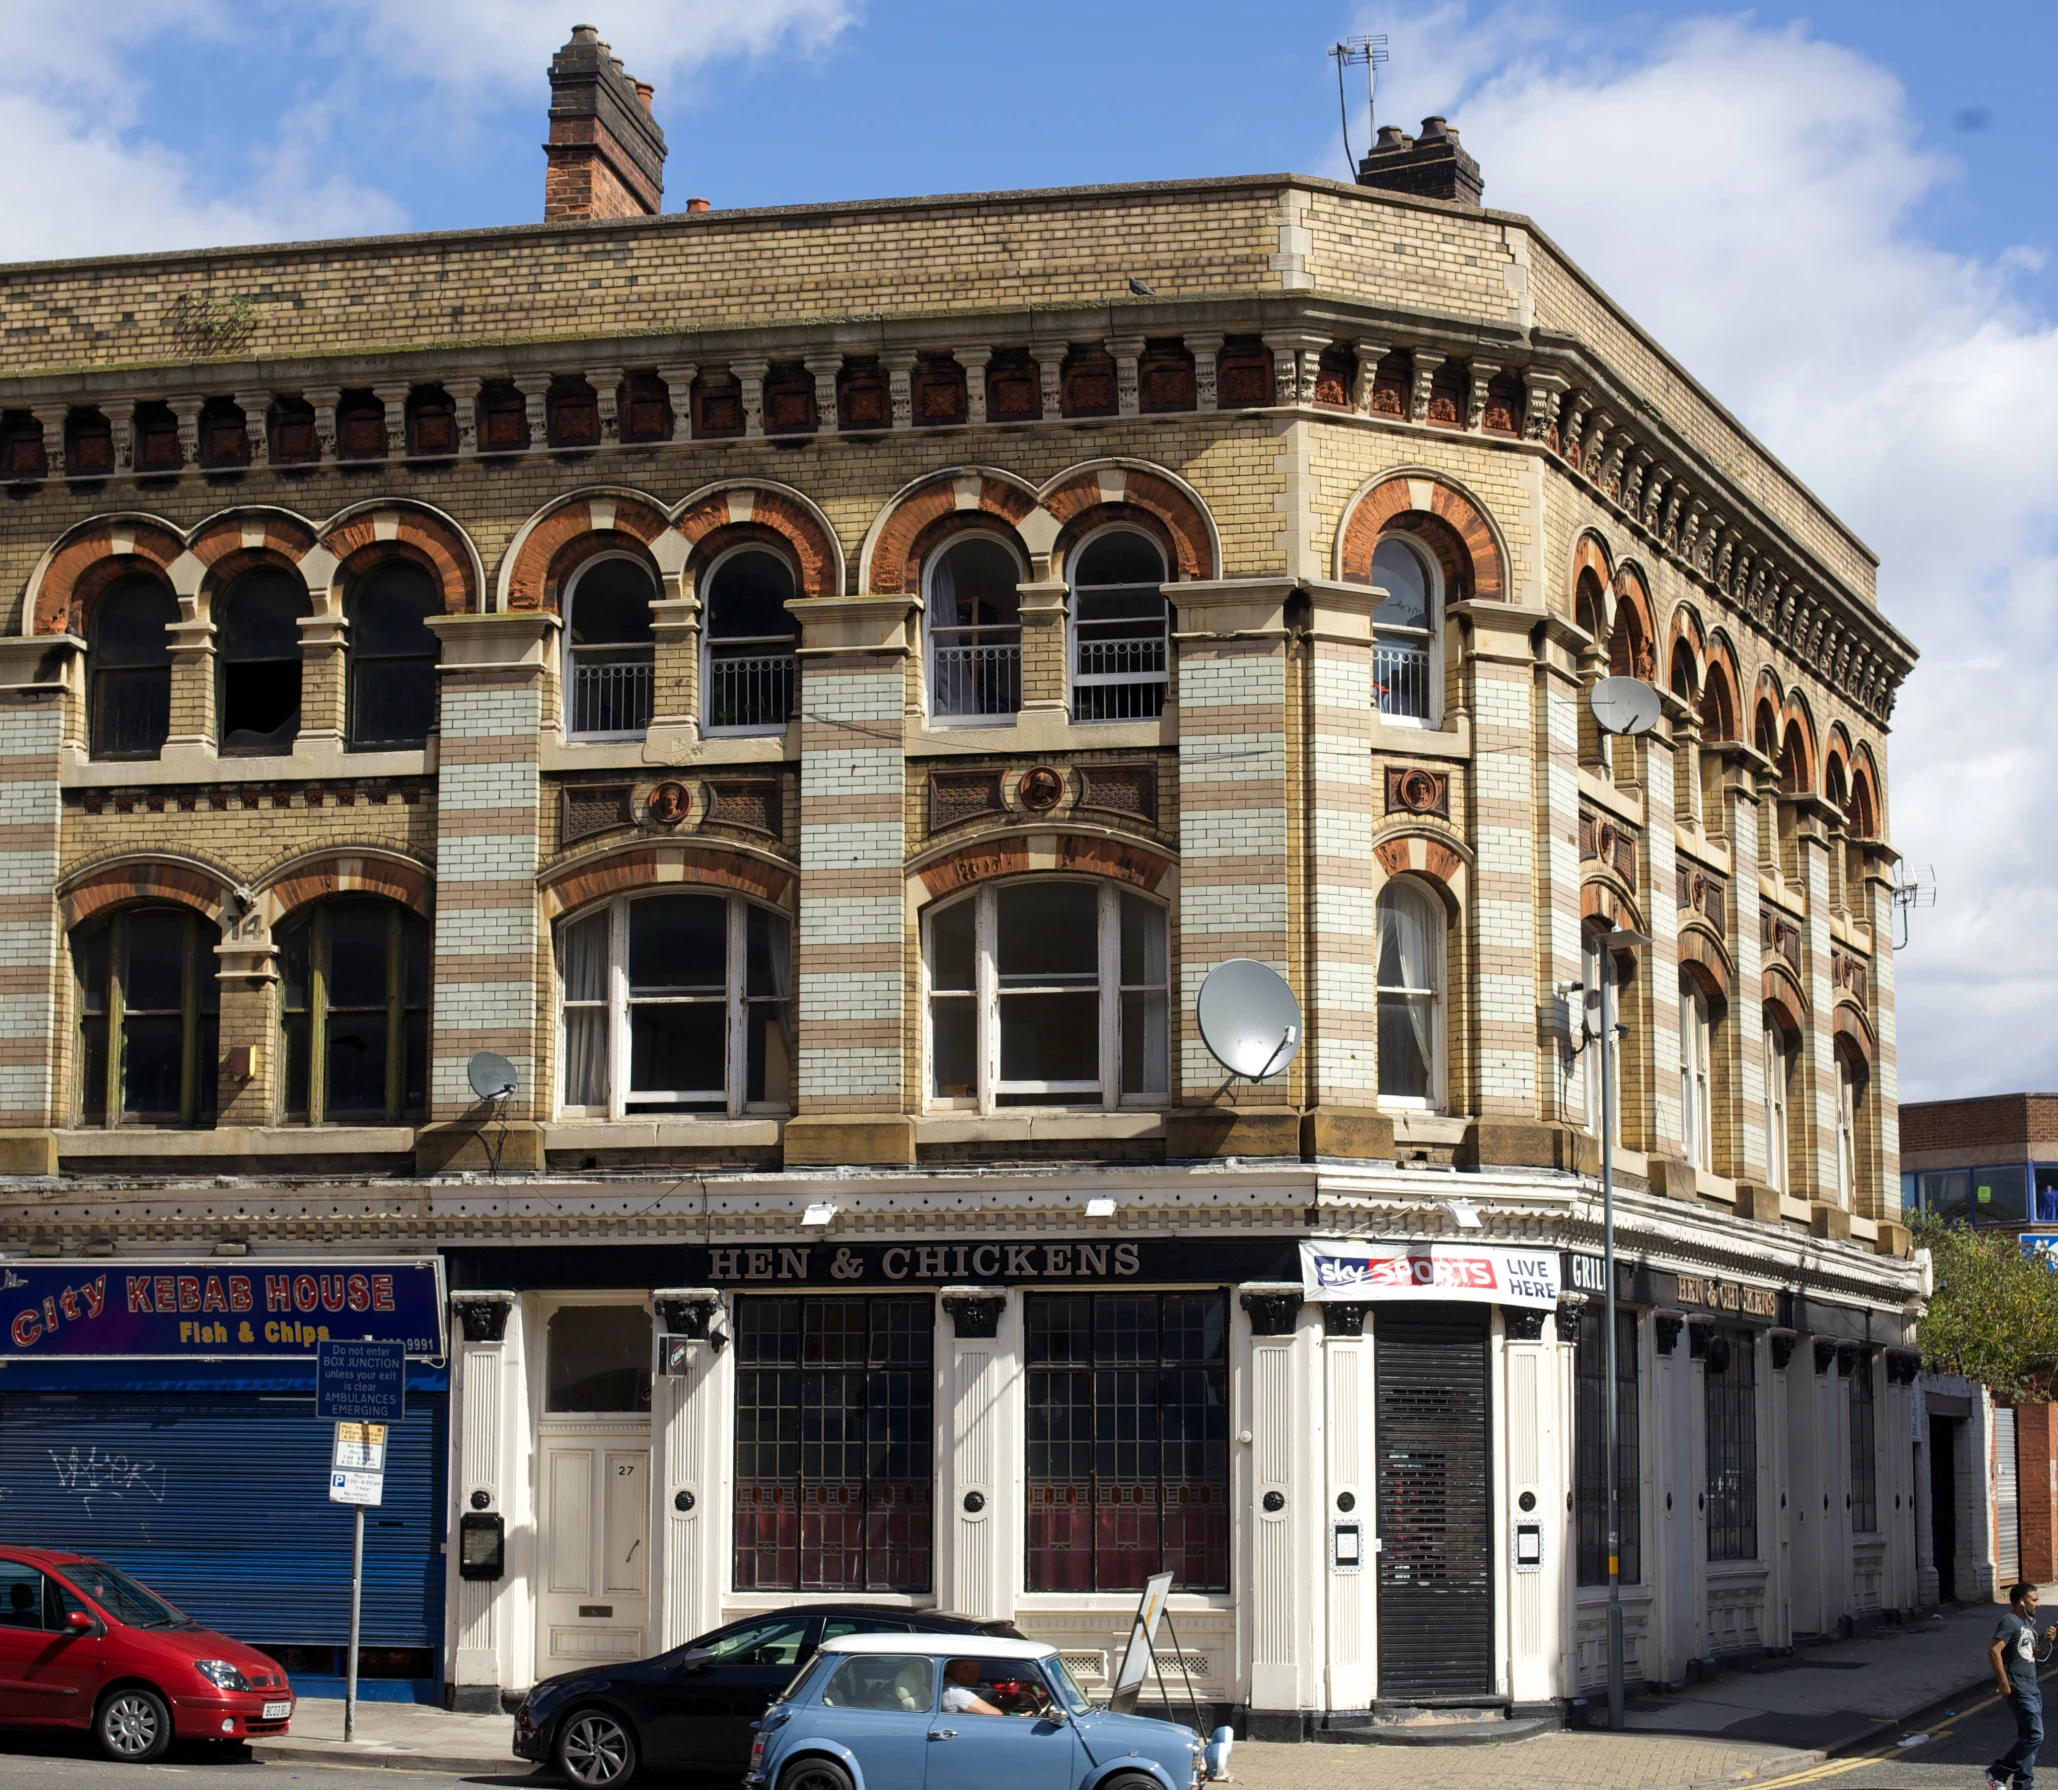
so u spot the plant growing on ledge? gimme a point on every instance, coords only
(1994, 1315)
(203, 323)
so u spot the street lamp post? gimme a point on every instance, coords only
(1620, 705)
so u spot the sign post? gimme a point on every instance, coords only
(363, 1387)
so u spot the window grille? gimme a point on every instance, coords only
(1864, 1450)
(1732, 1420)
(1128, 1440)
(834, 1425)
(1590, 1481)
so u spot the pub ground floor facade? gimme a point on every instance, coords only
(963, 1392)
(1356, 1413)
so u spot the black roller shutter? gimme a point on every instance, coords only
(1435, 1546)
(220, 1502)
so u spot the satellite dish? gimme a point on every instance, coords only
(1249, 1018)
(1624, 705)
(492, 1076)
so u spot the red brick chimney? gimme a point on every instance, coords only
(1431, 166)
(606, 152)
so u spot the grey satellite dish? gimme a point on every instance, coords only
(1624, 705)
(492, 1076)
(1248, 1018)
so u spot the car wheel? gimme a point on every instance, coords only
(594, 1747)
(133, 1725)
(1131, 1780)
(816, 1773)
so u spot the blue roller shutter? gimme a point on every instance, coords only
(219, 1500)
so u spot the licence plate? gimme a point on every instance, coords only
(277, 1712)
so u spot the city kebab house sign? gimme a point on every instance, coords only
(201, 1310)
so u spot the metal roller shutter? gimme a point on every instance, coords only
(220, 1502)
(2007, 1502)
(1435, 1546)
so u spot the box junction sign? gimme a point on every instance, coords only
(278, 1310)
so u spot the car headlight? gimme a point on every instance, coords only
(222, 1675)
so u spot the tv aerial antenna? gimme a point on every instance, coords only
(1371, 51)
(1915, 885)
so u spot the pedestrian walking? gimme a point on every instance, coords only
(2015, 1656)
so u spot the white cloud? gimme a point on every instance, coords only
(100, 184)
(1747, 195)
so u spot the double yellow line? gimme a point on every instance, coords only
(1831, 1768)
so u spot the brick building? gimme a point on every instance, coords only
(816, 690)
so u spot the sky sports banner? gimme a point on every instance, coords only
(1475, 1272)
(207, 1310)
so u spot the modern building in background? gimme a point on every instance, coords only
(816, 690)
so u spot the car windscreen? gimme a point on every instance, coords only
(1065, 1685)
(893, 1681)
(122, 1598)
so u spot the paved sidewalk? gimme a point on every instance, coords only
(1838, 1695)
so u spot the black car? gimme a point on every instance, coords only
(691, 1710)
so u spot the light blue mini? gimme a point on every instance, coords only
(867, 1713)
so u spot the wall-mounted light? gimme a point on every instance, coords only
(821, 1212)
(1100, 1207)
(1463, 1213)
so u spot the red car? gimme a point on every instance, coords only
(84, 1646)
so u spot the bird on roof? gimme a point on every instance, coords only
(1140, 289)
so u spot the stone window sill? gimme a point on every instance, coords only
(659, 1134)
(144, 1142)
(1018, 1127)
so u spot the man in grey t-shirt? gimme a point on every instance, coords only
(2015, 1656)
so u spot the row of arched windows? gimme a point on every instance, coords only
(1039, 992)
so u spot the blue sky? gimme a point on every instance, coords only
(1840, 218)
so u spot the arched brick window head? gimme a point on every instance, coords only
(392, 657)
(131, 667)
(1718, 707)
(258, 644)
(610, 652)
(751, 636)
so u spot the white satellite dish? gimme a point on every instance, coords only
(1624, 705)
(492, 1076)
(1248, 1018)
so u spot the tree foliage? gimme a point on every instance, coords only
(1993, 1317)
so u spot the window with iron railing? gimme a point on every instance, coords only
(748, 671)
(1120, 628)
(610, 652)
(1404, 632)
(975, 630)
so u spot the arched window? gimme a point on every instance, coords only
(149, 1018)
(675, 1004)
(1048, 993)
(1850, 1096)
(748, 668)
(354, 1006)
(392, 657)
(610, 653)
(1782, 1055)
(131, 662)
(975, 629)
(1411, 979)
(257, 646)
(1696, 1072)
(1120, 628)
(1405, 674)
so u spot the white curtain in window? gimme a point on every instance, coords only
(585, 980)
(943, 595)
(1408, 945)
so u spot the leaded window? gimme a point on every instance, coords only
(1732, 1419)
(1128, 1440)
(1590, 1450)
(835, 1416)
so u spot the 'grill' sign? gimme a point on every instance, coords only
(1476, 1272)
